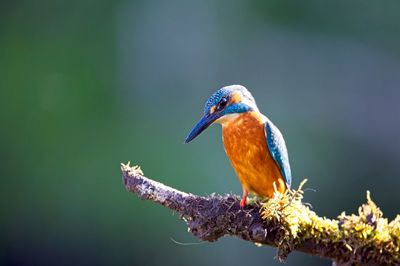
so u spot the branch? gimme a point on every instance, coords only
(283, 222)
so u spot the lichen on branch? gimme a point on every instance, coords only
(284, 222)
(368, 237)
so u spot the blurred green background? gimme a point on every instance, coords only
(86, 85)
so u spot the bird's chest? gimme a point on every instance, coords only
(243, 139)
(246, 147)
(244, 142)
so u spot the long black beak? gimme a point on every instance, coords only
(202, 125)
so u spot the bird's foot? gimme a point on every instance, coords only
(243, 202)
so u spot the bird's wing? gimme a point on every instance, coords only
(277, 148)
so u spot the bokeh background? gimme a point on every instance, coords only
(86, 85)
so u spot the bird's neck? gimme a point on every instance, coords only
(233, 120)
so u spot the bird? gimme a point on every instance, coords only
(253, 144)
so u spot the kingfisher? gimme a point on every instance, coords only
(254, 145)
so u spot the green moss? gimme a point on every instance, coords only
(298, 223)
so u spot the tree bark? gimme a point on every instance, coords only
(341, 240)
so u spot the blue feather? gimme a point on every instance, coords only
(226, 92)
(277, 148)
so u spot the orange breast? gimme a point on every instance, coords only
(246, 147)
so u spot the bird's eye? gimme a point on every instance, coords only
(222, 103)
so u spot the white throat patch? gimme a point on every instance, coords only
(227, 118)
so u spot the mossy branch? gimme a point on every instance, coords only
(283, 222)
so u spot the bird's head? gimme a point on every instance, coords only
(224, 105)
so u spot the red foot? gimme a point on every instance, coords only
(243, 202)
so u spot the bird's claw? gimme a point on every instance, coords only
(243, 202)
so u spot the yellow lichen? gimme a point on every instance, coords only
(133, 170)
(299, 223)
